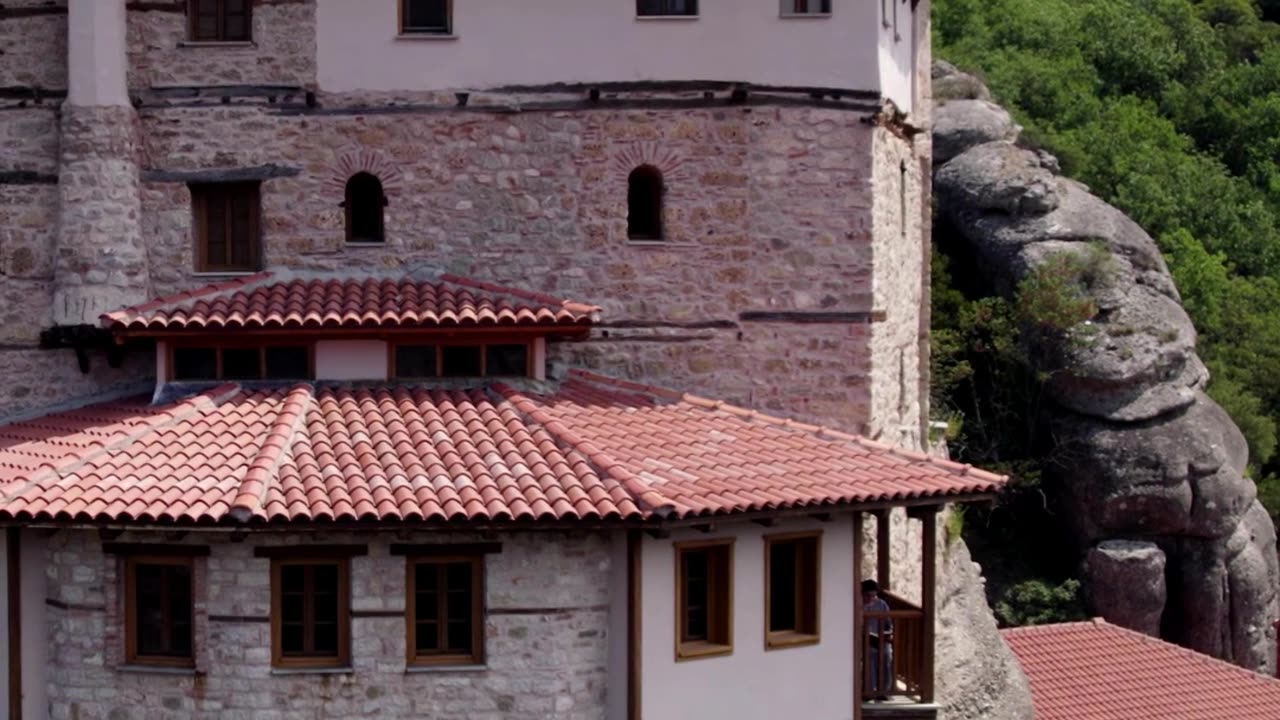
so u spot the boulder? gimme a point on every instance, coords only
(1125, 581)
(961, 124)
(951, 84)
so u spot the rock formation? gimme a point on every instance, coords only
(1153, 458)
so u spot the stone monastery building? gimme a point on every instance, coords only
(467, 359)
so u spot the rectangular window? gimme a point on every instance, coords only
(461, 361)
(667, 8)
(506, 360)
(704, 599)
(219, 20)
(426, 16)
(158, 611)
(226, 226)
(287, 363)
(806, 7)
(242, 363)
(309, 615)
(445, 610)
(416, 362)
(792, 588)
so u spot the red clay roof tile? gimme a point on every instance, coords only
(1097, 671)
(592, 448)
(260, 302)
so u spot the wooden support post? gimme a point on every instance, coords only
(928, 597)
(858, 670)
(883, 523)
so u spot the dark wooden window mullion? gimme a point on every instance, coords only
(442, 607)
(308, 610)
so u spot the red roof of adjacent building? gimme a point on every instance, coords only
(1097, 671)
(263, 302)
(591, 448)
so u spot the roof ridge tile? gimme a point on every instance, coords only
(291, 416)
(202, 292)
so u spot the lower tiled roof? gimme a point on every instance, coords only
(588, 449)
(1097, 671)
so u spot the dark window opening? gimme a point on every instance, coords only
(195, 363)
(445, 611)
(704, 595)
(506, 360)
(644, 204)
(288, 363)
(219, 20)
(426, 16)
(241, 363)
(648, 8)
(364, 203)
(806, 7)
(310, 612)
(226, 219)
(416, 361)
(792, 586)
(158, 611)
(460, 361)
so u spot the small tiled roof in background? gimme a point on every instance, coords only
(266, 302)
(590, 448)
(1097, 671)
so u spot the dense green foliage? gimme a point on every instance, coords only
(1169, 109)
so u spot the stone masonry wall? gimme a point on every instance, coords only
(282, 50)
(546, 637)
(767, 210)
(33, 35)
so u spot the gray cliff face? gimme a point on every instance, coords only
(1153, 459)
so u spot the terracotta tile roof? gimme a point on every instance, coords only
(590, 448)
(1097, 671)
(265, 302)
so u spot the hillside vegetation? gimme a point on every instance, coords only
(1170, 110)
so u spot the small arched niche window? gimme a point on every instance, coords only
(364, 202)
(644, 203)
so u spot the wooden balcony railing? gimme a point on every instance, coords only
(893, 653)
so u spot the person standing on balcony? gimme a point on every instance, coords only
(879, 669)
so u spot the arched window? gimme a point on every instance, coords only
(364, 202)
(644, 203)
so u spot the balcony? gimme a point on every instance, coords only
(896, 646)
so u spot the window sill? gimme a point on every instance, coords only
(224, 273)
(426, 36)
(782, 640)
(804, 16)
(659, 244)
(157, 669)
(429, 669)
(226, 44)
(313, 671)
(646, 18)
(365, 245)
(699, 650)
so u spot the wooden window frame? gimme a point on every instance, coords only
(825, 8)
(697, 11)
(342, 658)
(403, 15)
(223, 344)
(477, 654)
(774, 640)
(394, 374)
(131, 654)
(721, 597)
(193, 19)
(200, 201)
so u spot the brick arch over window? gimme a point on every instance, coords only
(364, 161)
(363, 201)
(644, 203)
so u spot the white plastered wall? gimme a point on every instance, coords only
(351, 360)
(811, 682)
